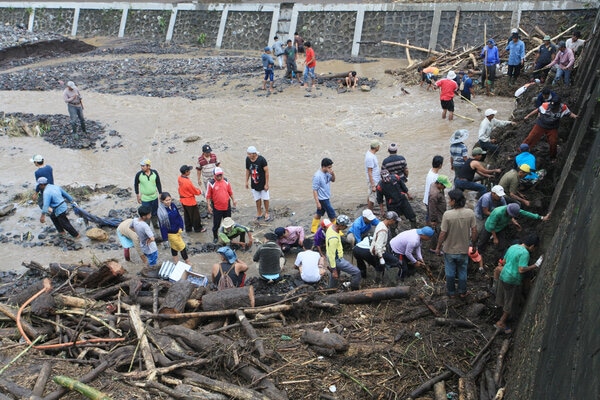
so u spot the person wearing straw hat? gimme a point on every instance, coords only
(229, 230)
(459, 153)
(448, 88)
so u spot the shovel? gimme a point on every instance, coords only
(470, 102)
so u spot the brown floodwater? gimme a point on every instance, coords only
(292, 131)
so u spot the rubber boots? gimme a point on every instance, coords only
(74, 128)
(315, 225)
(83, 127)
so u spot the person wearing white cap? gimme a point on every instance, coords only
(486, 204)
(486, 127)
(219, 197)
(361, 226)
(257, 171)
(41, 171)
(73, 98)
(448, 88)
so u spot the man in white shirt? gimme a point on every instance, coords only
(486, 127)
(310, 263)
(373, 173)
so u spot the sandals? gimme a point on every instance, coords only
(269, 218)
(505, 329)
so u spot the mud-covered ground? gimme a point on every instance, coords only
(394, 345)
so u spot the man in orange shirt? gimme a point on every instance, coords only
(447, 87)
(219, 197)
(310, 62)
(187, 196)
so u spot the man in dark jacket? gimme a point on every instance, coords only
(394, 191)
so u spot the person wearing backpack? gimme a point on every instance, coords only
(230, 272)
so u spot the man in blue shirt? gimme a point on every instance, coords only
(268, 65)
(55, 205)
(361, 226)
(490, 56)
(516, 58)
(321, 186)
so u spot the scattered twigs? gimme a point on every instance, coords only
(359, 383)
(40, 383)
(429, 384)
(487, 345)
(21, 354)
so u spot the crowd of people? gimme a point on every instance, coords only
(375, 238)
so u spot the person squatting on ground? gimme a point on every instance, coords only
(54, 204)
(373, 172)
(147, 187)
(361, 227)
(511, 181)
(516, 58)
(229, 230)
(407, 247)
(377, 253)
(270, 258)
(72, 97)
(392, 191)
(171, 226)
(187, 197)
(268, 64)
(487, 125)
(508, 292)
(319, 237)
(335, 254)
(448, 88)
(41, 171)
(486, 204)
(257, 171)
(147, 241)
(219, 197)
(465, 175)
(128, 239)
(547, 123)
(321, 187)
(490, 56)
(351, 80)
(310, 263)
(457, 232)
(525, 157)
(290, 236)
(231, 266)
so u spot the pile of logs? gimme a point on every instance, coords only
(158, 335)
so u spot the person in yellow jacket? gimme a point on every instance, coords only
(335, 254)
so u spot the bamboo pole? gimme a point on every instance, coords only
(437, 53)
(455, 29)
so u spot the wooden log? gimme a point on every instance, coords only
(540, 31)
(328, 340)
(425, 387)
(234, 391)
(87, 378)
(18, 391)
(473, 60)
(458, 323)
(439, 390)
(229, 299)
(176, 298)
(43, 306)
(563, 32)
(251, 332)
(196, 340)
(437, 53)
(64, 301)
(487, 346)
(490, 384)
(26, 293)
(140, 330)
(109, 271)
(407, 50)
(42, 379)
(369, 295)
(67, 270)
(111, 290)
(500, 362)
(12, 314)
(455, 29)
(467, 389)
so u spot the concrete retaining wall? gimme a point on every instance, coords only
(336, 30)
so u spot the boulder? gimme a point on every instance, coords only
(97, 234)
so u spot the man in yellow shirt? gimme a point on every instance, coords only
(335, 254)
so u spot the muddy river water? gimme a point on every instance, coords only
(292, 131)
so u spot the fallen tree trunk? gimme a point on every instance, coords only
(108, 271)
(368, 295)
(229, 299)
(176, 298)
(251, 332)
(429, 384)
(459, 323)
(235, 391)
(327, 340)
(408, 46)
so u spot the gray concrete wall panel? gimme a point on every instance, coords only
(99, 22)
(197, 27)
(148, 24)
(55, 20)
(247, 30)
(395, 26)
(470, 28)
(330, 33)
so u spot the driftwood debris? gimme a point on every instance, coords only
(326, 340)
(368, 295)
(177, 297)
(229, 299)
(408, 46)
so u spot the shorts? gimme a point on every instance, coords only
(506, 296)
(269, 75)
(125, 241)
(372, 195)
(176, 241)
(152, 259)
(260, 195)
(447, 105)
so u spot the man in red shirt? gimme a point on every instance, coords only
(187, 196)
(310, 62)
(219, 197)
(448, 87)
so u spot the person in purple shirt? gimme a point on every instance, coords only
(290, 236)
(407, 246)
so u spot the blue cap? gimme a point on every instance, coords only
(491, 41)
(228, 253)
(280, 232)
(267, 48)
(426, 230)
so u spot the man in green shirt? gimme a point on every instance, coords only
(499, 220)
(229, 230)
(147, 188)
(509, 285)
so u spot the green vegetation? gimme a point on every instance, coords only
(202, 39)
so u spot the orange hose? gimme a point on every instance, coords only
(45, 289)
